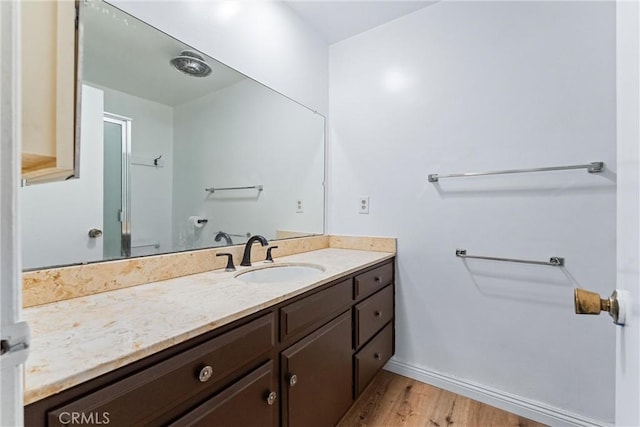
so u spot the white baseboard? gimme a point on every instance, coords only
(518, 405)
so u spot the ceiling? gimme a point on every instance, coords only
(123, 53)
(337, 20)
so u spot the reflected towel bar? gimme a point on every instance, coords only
(591, 167)
(253, 187)
(554, 261)
(246, 235)
(146, 245)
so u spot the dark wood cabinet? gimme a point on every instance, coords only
(316, 376)
(143, 398)
(372, 314)
(307, 314)
(372, 357)
(299, 363)
(369, 282)
(250, 402)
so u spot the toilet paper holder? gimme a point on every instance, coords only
(198, 221)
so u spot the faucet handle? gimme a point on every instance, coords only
(230, 266)
(269, 258)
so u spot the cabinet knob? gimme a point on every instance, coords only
(293, 380)
(378, 313)
(271, 398)
(377, 279)
(205, 374)
(377, 356)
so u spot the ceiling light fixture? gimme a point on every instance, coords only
(191, 64)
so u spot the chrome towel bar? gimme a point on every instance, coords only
(247, 234)
(554, 261)
(252, 187)
(591, 167)
(146, 245)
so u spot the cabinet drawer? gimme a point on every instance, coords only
(371, 281)
(246, 403)
(373, 356)
(148, 394)
(302, 315)
(372, 314)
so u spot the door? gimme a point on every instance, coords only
(626, 306)
(628, 211)
(116, 186)
(317, 376)
(14, 334)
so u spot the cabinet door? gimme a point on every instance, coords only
(250, 402)
(317, 376)
(48, 56)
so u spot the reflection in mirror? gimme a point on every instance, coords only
(173, 156)
(48, 84)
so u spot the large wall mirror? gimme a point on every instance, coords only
(177, 152)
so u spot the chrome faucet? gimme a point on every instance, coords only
(222, 235)
(246, 257)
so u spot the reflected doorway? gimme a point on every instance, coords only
(117, 186)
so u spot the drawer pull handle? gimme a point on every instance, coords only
(271, 398)
(377, 279)
(377, 356)
(205, 374)
(378, 313)
(293, 380)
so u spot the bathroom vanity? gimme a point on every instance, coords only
(154, 337)
(294, 354)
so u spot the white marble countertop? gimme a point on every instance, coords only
(76, 340)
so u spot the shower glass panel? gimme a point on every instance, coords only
(116, 223)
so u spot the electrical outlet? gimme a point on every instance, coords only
(299, 206)
(364, 205)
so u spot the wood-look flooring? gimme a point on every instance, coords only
(392, 400)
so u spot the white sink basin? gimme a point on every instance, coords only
(279, 273)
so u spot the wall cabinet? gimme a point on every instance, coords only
(48, 63)
(299, 363)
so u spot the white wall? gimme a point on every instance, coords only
(459, 87)
(55, 217)
(246, 135)
(262, 39)
(151, 187)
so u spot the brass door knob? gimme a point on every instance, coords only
(587, 302)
